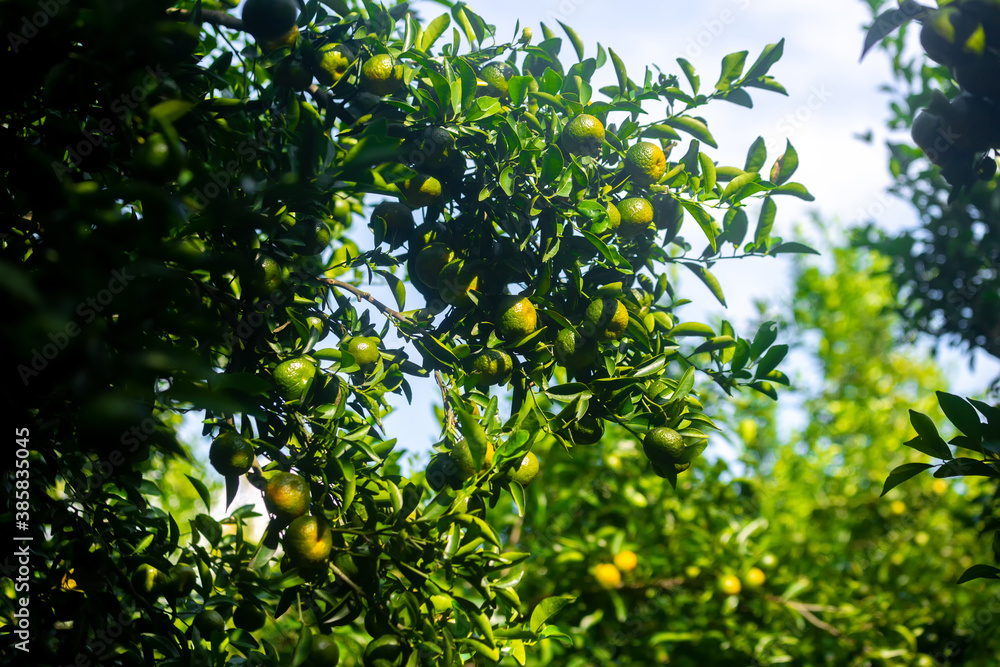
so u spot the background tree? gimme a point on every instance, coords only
(946, 270)
(179, 198)
(786, 555)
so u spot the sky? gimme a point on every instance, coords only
(833, 99)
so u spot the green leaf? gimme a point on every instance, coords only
(785, 165)
(708, 172)
(767, 333)
(565, 393)
(397, 286)
(793, 189)
(573, 38)
(548, 608)
(619, 71)
(689, 73)
(770, 360)
(735, 225)
(770, 55)
(661, 132)
(736, 185)
(889, 22)
(732, 67)
(517, 88)
(696, 128)
(433, 31)
(792, 247)
(691, 329)
(961, 413)
(903, 473)
(927, 441)
(202, 490)
(980, 572)
(711, 282)
(473, 431)
(715, 344)
(168, 112)
(765, 222)
(756, 155)
(964, 467)
(704, 220)
(483, 107)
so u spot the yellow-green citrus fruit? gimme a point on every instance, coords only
(287, 40)
(944, 33)
(587, 430)
(491, 367)
(181, 579)
(496, 76)
(636, 217)
(605, 319)
(663, 446)
(430, 260)
(755, 577)
(149, 582)
(940, 487)
(461, 458)
(332, 62)
(524, 470)
(626, 560)
(308, 541)
(314, 235)
(385, 651)
(645, 163)
(287, 496)
(394, 221)
(381, 76)
(517, 318)
(248, 616)
(208, 622)
(292, 376)
(364, 349)
(231, 454)
(435, 148)
(421, 190)
(730, 585)
(341, 208)
(614, 217)
(268, 275)
(155, 160)
(324, 652)
(455, 282)
(574, 351)
(607, 575)
(584, 135)
(268, 19)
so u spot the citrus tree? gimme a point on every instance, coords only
(198, 204)
(946, 269)
(770, 556)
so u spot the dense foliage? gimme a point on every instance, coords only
(179, 198)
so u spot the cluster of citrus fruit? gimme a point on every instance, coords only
(956, 135)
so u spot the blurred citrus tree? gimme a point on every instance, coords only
(945, 270)
(784, 554)
(182, 192)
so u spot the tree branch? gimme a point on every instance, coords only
(210, 16)
(365, 296)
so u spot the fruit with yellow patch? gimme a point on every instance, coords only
(381, 75)
(626, 561)
(518, 318)
(308, 541)
(636, 217)
(645, 163)
(231, 454)
(524, 471)
(293, 376)
(605, 319)
(332, 62)
(730, 585)
(287, 496)
(584, 135)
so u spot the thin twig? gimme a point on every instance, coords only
(210, 16)
(806, 611)
(365, 296)
(449, 414)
